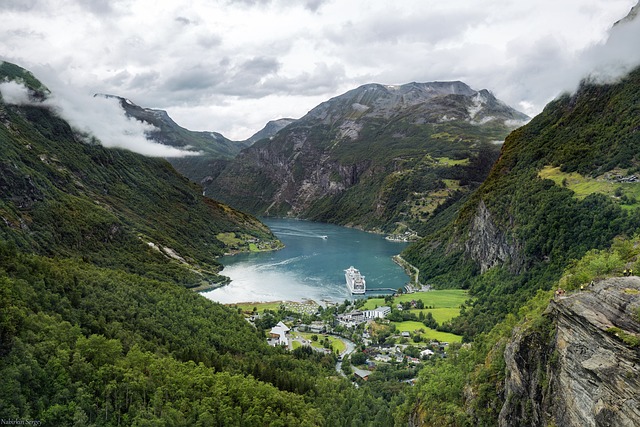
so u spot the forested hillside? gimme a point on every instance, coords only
(563, 185)
(97, 327)
(83, 345)
(213, 149)
(558, 210)
(66, 195)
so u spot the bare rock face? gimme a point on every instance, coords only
(487, 244)
(584, 369)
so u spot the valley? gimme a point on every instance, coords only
(209, 289)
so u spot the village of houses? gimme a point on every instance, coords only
(364, 335)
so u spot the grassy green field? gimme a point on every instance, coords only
(582, 186)
(260, 306)
(437, 298)
(451, 162)
(336, 343)
(441, 315)
(446, 298)
(446, 305)
(229, 239)
(428, 334)
(452, 184)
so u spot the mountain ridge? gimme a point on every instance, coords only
(211, 149)
(369, 150)
(517, 222)
(66, 194)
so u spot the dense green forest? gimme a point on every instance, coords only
(98, 248)
(63, 194)
(468, 389)
(562, 239)
(83, 345)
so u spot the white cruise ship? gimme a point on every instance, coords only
(355, 281)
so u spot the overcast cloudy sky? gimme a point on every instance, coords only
(230, 66)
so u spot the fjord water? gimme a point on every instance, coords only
(310, 266)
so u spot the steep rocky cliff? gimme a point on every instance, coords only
(563, 185)
(583, 368)
(379, 157)
(488, 245)
(557, 177)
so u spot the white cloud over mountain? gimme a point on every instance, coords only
(230, 66)
(98, 116)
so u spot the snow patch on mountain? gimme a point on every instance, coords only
(359, 107)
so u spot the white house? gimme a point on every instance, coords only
(279, 335)
(426, 352)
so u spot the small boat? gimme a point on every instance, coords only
(324, 237)
(355, 281)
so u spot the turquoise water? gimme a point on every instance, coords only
(310, 267)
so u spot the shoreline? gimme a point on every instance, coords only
(251, 294)
(412, 271)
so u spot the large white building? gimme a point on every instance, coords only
(356, 317)
(377, 313)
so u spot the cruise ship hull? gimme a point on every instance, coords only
(355, 281)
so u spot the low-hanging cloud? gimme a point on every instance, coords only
(196, 56)
(101, 117)
(14, 93)
(618, 56)
(544, 70)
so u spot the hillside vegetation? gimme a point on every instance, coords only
(66, 195)
(97, 327)
(470, 388)
(556, 211)
(519, 231)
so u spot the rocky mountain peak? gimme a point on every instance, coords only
(270, 129)
(149, 115)
(435, 101)
(633, 14)
(378, 143)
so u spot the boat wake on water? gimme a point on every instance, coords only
(283, 262)
(311, 236)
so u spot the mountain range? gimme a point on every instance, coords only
(378, 157)
(214, 149)
(556, 217)
(100, 251)
(539, 221)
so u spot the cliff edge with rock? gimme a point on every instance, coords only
(583, 368)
